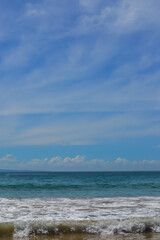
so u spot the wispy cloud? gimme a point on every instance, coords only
(79, 72)
(77, 128)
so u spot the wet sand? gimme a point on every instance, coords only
(149, 236)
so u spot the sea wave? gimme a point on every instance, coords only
(105, 227)
(104, 216)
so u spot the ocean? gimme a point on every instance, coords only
(80, 205)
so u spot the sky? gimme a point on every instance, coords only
(80, 85)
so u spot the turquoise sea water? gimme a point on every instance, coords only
(95, 203)
(79, 184)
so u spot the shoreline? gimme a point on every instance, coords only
(146, 236)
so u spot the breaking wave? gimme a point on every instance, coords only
(106, 227)
(99, 216)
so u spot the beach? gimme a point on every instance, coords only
(150, 236)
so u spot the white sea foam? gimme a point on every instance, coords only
(97, 215)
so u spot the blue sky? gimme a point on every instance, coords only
(80, 85)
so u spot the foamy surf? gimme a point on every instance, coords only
(55, 216)
(104, 228)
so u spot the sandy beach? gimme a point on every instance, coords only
(149, 236)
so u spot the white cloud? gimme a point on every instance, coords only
(8, 161)
(122, 161)
(151, 162)
(57, 163)
(55, 159)
(77, 159)
(80, 163)
(8, 158)
(35, 162)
